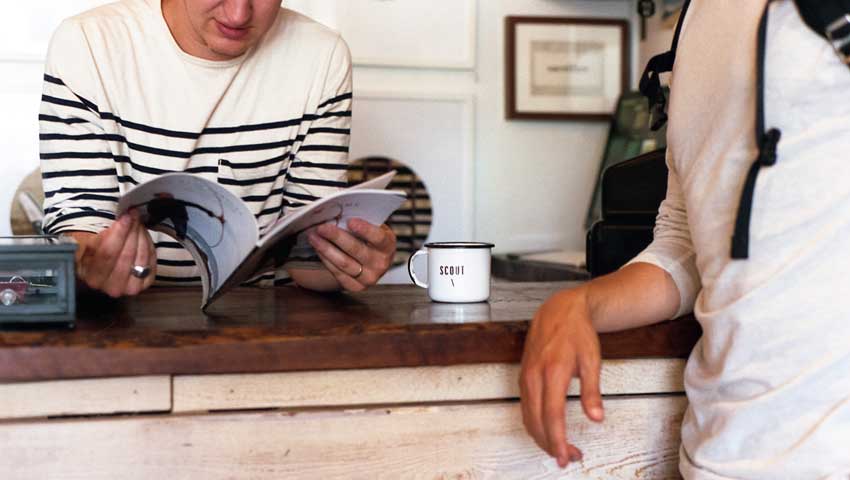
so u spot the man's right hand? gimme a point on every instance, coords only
(562, 343)
(104, 261)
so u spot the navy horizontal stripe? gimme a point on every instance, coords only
(337, 99)
(80, 190)
(269, 211)
(126, 179)
(141, 168)
(148, 129)
(175, 263)
(63, 102)
(55, 119)
(262, 198)
(301, 196)
(83, 214)
(335, 131)
(336, 114)
(323, 148)
(202, 169)
(169, 245)
(316, 181)
(79, 173)
(261, 163)
(323, 166)
(85, 136)
(77, 155)
(163, 278)
(52, 79)
(93, 197)
(259, 126)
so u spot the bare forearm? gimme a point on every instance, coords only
(636, 295)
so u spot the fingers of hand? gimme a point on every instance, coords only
(100, 263)
(143, 258)
(591, 399)
(556, 381)
(531, 400)
(381, 241)
(344, 261)
(345, 280)
(345, 242)
(120, 278)
(381, 237)
(147, 242)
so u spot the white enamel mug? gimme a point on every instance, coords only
(458, 272)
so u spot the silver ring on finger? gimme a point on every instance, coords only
(359, 272)
(140, 272)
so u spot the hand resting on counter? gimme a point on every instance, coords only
(563, 343)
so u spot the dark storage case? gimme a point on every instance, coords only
(632, 191)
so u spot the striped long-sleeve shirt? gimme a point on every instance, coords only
(122, 103)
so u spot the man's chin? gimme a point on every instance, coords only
(228, 50)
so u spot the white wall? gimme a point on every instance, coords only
(532, 179)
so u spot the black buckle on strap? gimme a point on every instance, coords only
(767, 149)
(838, 34)
(650, 87)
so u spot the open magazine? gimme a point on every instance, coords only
(222, 235)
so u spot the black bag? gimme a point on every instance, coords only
(631, 194)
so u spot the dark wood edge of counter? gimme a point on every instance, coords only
(230, 351)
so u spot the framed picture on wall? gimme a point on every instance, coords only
(565, 68)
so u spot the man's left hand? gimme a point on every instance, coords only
(356, 258)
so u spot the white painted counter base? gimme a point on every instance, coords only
(454, 422)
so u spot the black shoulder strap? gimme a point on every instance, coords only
(650, 81)
(767, 143)
(831, 20)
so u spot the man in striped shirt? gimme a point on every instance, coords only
(241, 92)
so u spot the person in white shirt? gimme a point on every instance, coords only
(768, 383)
(242, 92)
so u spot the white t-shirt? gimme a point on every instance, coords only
(769, 382)
(123, 103)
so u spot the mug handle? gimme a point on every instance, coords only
(410, 271)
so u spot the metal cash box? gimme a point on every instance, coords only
(37, 281)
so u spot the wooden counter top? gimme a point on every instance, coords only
(286, 329)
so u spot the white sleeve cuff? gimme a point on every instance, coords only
(682, 268)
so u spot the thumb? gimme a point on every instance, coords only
(591, 399)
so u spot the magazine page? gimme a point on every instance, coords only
(215, 226)
(374, 206)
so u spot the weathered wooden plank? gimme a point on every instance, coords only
(403, 385)
(85, 397)
(639, 439)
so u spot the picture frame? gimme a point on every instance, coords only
(565, 68)
(434, 34)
